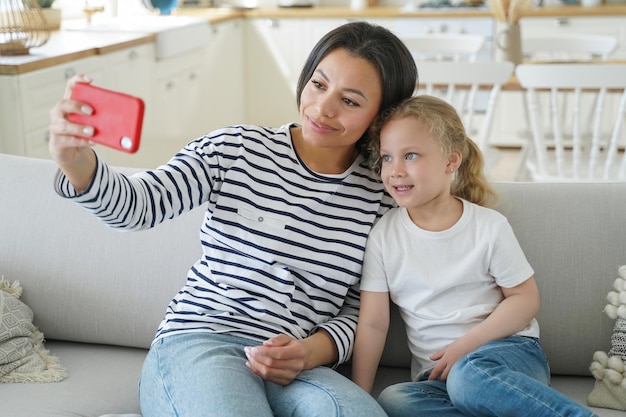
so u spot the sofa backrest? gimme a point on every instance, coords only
(84, 281)
(572, 236)
(88, 283)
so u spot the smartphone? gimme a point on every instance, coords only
(117, 117)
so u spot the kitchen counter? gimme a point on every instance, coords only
(394, 11)
(67, 46)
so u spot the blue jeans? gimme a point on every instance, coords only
(508, 377)
(201, 374)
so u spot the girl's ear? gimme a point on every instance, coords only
(454, 161)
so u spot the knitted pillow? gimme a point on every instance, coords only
(22, 355)
(609, 390)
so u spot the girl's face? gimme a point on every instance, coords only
(414, 169)
(340, 101)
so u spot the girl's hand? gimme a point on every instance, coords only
(447, 357)
(279, 360)
(65, 146)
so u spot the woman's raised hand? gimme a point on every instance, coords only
(67, 145)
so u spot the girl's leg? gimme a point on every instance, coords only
(413, 399)
(321, 392)
(199, 375)
(508, 377)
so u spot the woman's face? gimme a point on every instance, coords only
(340, 101)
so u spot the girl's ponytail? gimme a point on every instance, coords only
(470, 182)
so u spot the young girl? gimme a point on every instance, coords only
(454, 268)
(288, 210)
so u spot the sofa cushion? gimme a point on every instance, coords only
(102, 380)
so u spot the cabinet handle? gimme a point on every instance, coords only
(69, 73)
(169, 85)
(133, 55)
(192, 76)
(46, 136)
(272, 23)
(560, 22)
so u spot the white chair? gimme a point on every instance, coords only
(572, 47)
(473, 89)
(459, 83)
(587, 153)
(568, 48)
(444, 46)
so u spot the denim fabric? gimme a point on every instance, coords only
(200, 374)
(508, 377)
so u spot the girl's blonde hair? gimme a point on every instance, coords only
(469, 182)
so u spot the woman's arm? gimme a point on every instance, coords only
(519, 306)
(371, 334)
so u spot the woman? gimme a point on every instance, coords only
(274, 296)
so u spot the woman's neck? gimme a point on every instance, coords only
(323, 160)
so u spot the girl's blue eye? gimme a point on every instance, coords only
(385, 158)
(410, 156)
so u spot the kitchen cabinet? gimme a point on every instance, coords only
(177, 94)
(25, 108)
(199, 91)
(26, 101)
(224, 99)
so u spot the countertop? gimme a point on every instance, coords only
(66, 46)
(394, 11)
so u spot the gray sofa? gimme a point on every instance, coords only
(98, 294)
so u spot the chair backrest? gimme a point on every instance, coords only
(461, 85)
(444, 46)
(587, 153)
(573, 47)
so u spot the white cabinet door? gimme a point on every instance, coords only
(25, 111)
(224, 102)
(177, 99)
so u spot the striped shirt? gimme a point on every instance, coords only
(282, 246)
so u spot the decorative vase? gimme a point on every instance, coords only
(508, 43)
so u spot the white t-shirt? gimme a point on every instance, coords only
(447, 282)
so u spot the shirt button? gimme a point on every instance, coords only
(260, 219)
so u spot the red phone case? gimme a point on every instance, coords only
(117, 117)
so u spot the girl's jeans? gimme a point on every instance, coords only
(508, 377)
(200, 375)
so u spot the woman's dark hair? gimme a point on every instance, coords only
(378, 46)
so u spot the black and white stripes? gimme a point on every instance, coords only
(282, 246)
